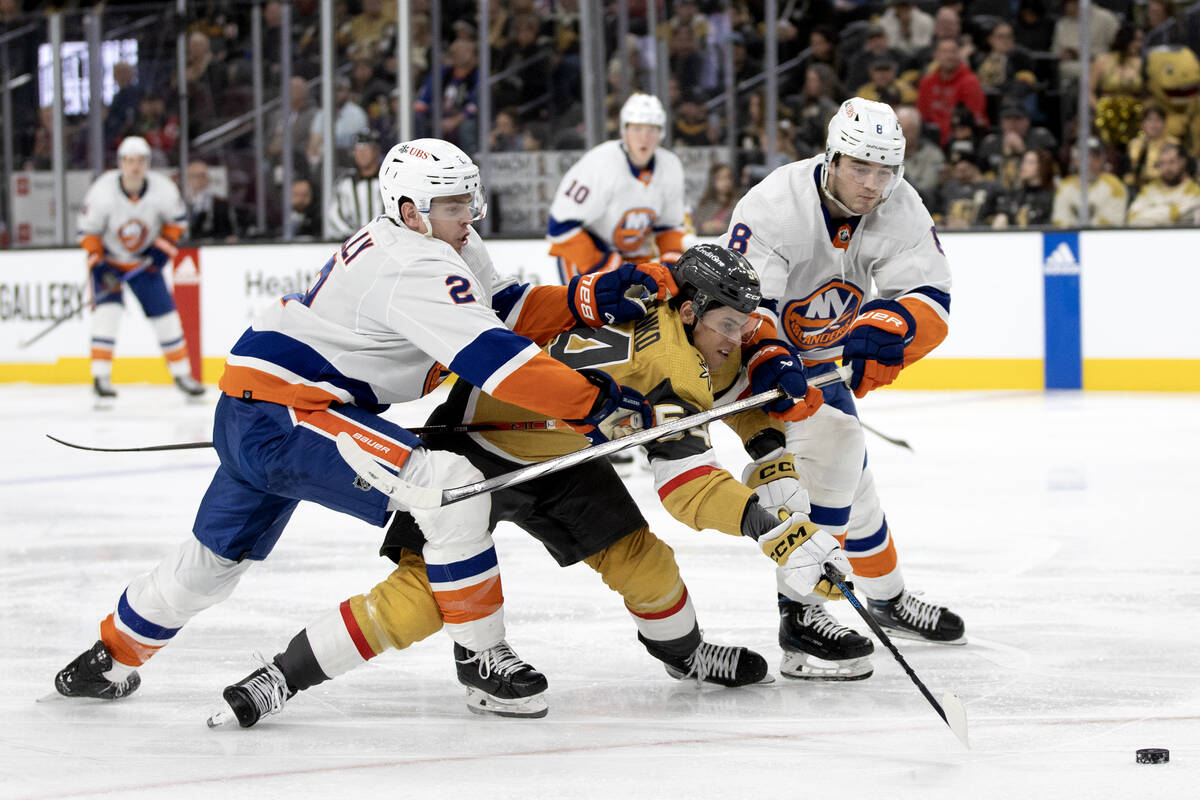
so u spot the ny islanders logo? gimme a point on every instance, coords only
(633, 228)
(822, 318)
(133, 235)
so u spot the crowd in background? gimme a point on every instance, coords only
(986, 92)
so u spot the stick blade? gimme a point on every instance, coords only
(956, 716)
(371, 471)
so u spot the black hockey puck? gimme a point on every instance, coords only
(1153, 755)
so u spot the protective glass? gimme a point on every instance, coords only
(470, 207)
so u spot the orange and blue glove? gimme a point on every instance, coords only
(874, 347)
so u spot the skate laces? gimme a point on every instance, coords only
(917, 612)
(818, 619)
(712, 660)
(266, 688)
(498, 658)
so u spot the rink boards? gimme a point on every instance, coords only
(1029, 310)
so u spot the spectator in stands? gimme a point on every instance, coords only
(822, 49)
(1005, 66)
(1164, 25)
(947, 24)
(967, 198)
(923, 160)
(1066, 45)
(691, 125)
(367, 29)
(1106, 195)
(716, 203)
(817, 103)
(1001, 151)
(125, 103)
(356, 197)
(459, 109)
(1172, 199)
(885, 84)
(205, 84)
(909, 29)
(508, 134)
(348, 119)
(1143, 149)
(753, 122)
(528, 87)
(1031, 201)
(159, 128)
(209, 216)
(950, 84)
(686, 63)
(1035, 28)
(306, 220)
(874, 48)
(744, 66)
(299, 117)
(1118, 88)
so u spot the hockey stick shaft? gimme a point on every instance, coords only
(425, 430)
(886, 438)
(839, 580)
(77, 311)
(432, 497)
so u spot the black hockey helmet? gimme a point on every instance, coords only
(710, 275)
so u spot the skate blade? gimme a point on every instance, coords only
(903, 633)
(222, 719)
(805, 667)
(104, 404)
(479, 702)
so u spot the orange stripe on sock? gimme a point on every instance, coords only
(102, 354)
(877, 565)
(472, 602)
(356, 634)
(176, 354)
(124, 648)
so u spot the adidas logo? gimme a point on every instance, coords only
(1062, 261)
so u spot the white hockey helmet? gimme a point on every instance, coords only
(133, 146)
(423, 169)
(866, 130)
(643, 109)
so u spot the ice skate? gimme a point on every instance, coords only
(191, 388)
(84, 677)
(722, 665)
(259, 694)
(499, 682)
(817, 647)
(910, 617)
(104, 393)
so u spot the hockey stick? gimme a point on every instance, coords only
(374, 472)
(886, 438)
(72, 314)
(951, 709)
(425, 430)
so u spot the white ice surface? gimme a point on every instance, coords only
(1062, 527)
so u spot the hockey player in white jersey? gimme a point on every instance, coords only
(407, 299)
(621, 202)
(851, 268)
(129, 225)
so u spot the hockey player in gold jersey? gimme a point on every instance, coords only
(676, 356)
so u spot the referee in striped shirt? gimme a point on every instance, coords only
(356, 198)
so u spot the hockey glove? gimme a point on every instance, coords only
(159, 253)
(774, 364)
(874, 347)
(620, 295)
(617, 412)
(800, 548)
(773, 478)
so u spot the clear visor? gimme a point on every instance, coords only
(467, 207)
(877, 176)
(730, 324)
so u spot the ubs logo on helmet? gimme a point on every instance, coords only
(822, 318)
(133, 235)
(631, 231)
